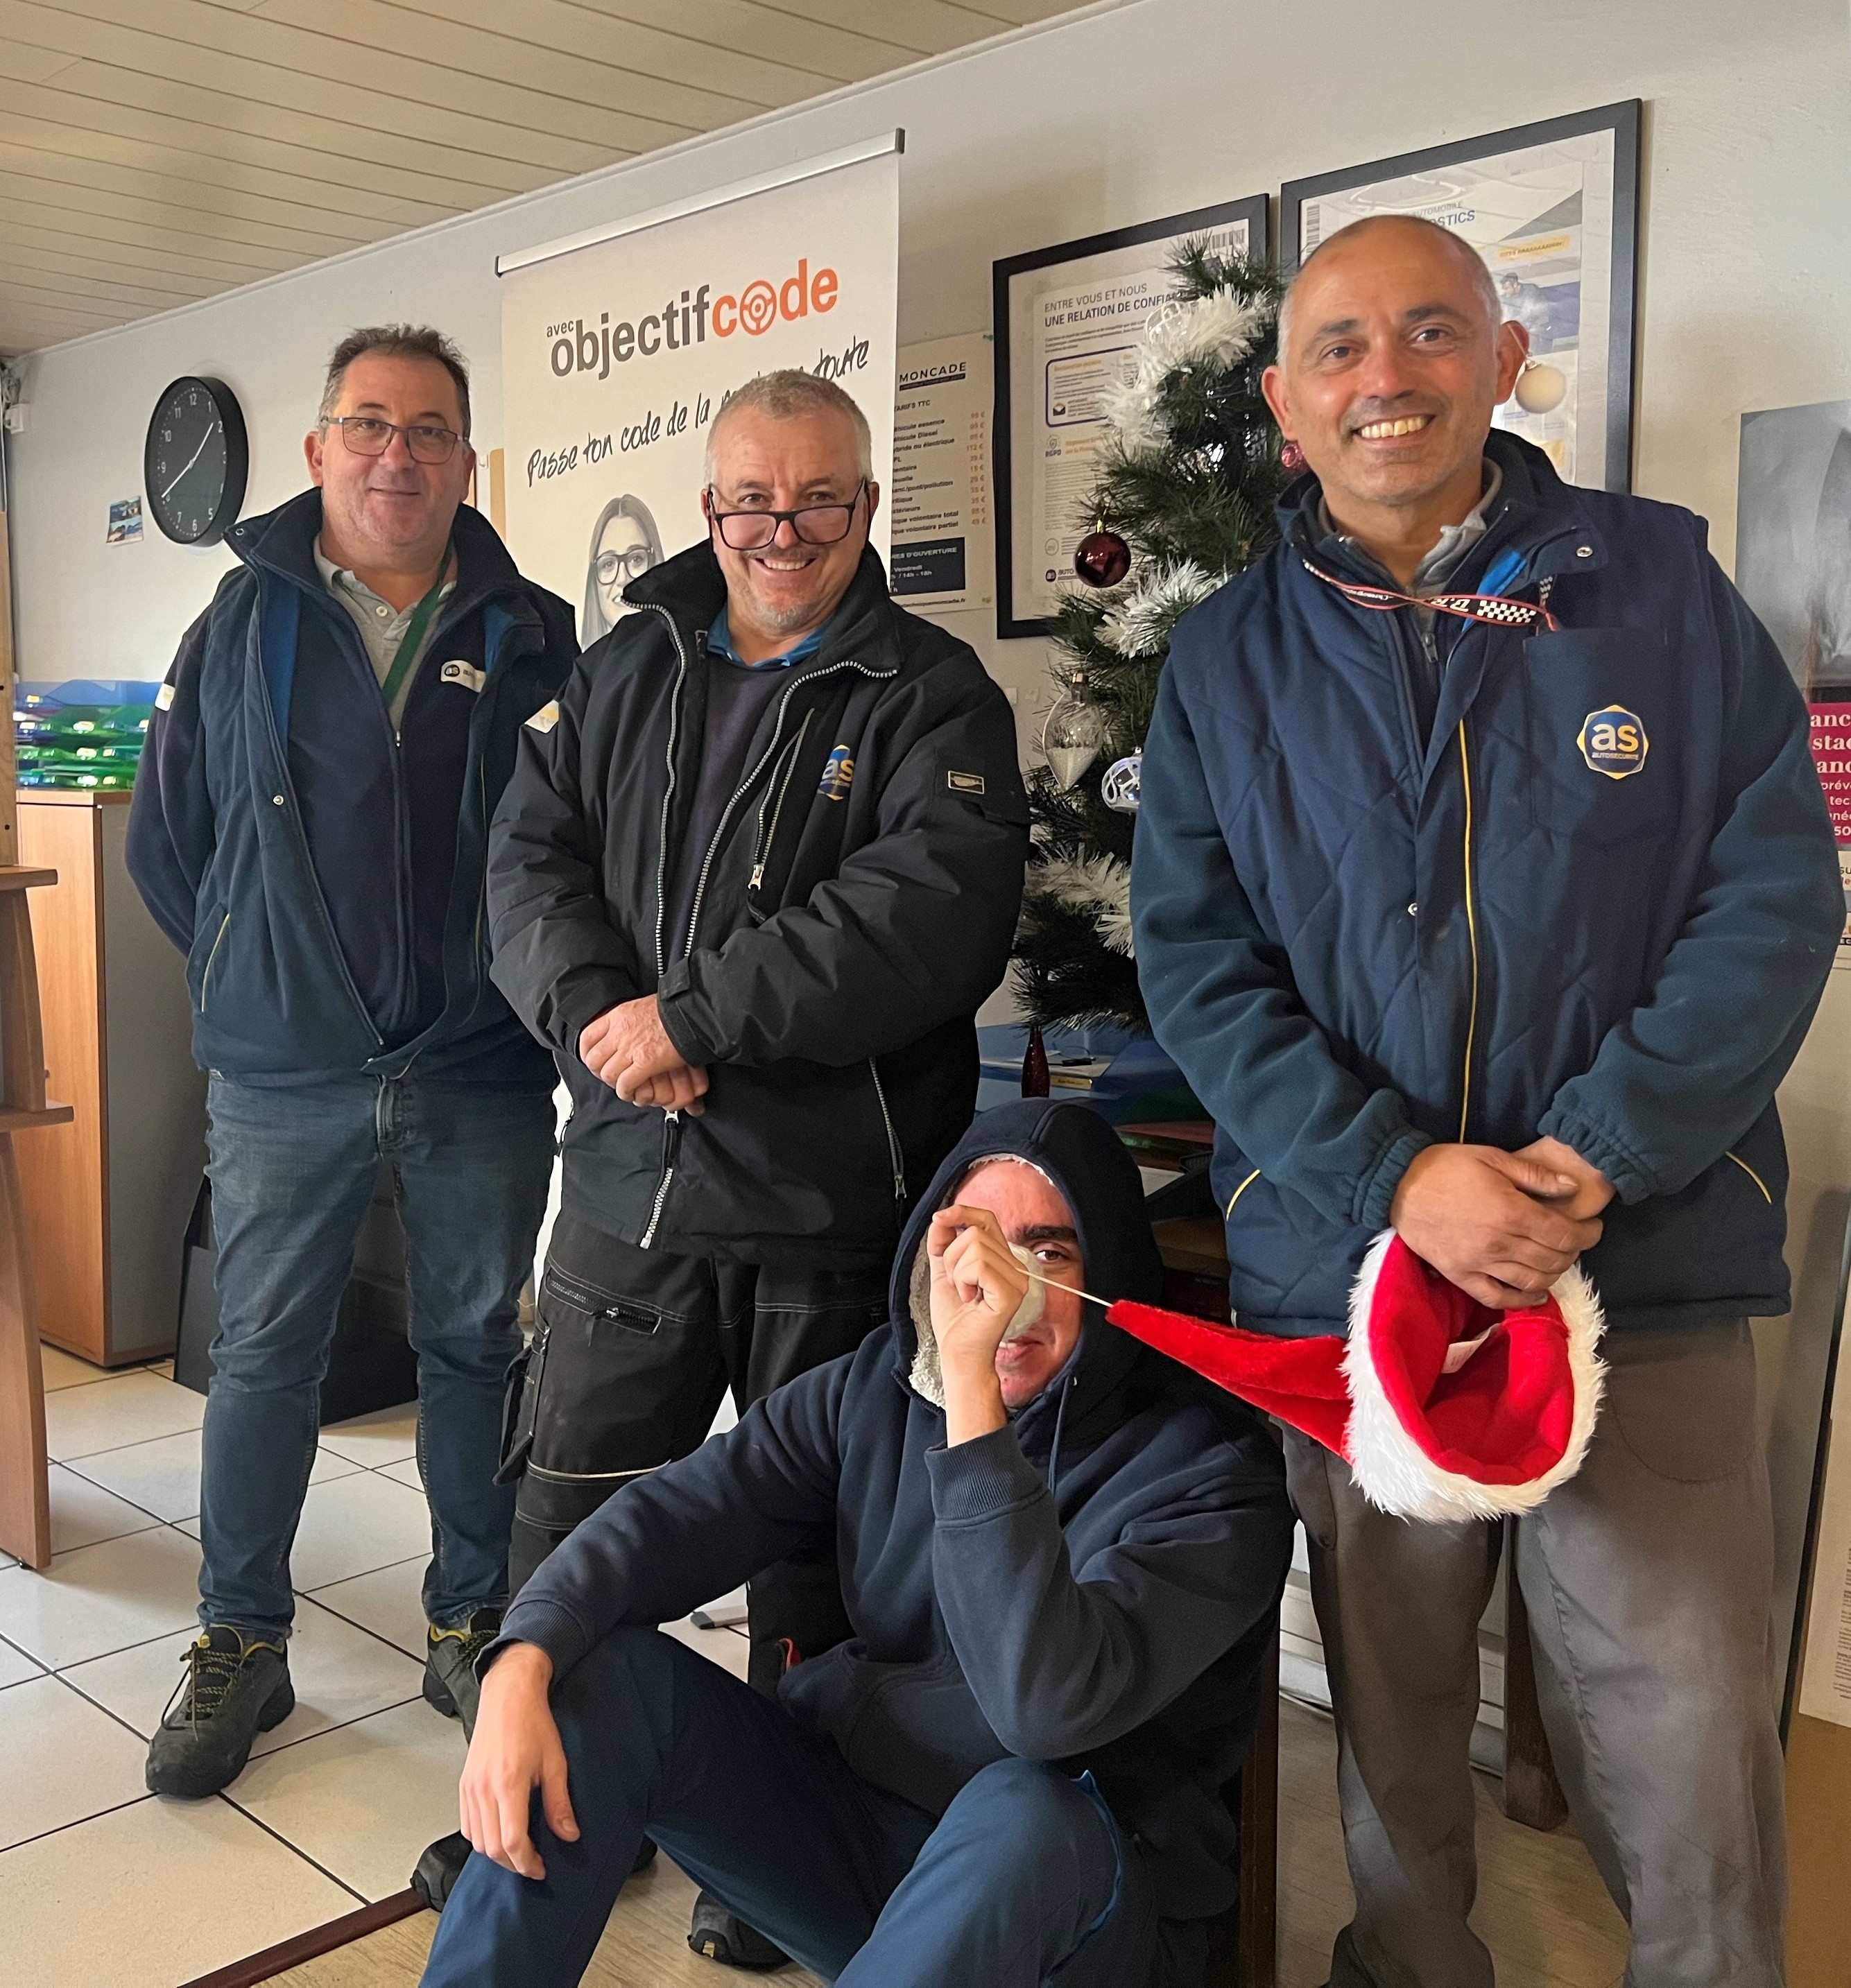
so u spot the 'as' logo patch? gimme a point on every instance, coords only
(838, 775)
(1613, 742)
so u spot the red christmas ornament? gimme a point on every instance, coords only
(1102, 559)
(1291, 458)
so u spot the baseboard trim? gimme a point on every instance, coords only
(312, 1945)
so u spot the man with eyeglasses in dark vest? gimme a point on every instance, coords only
(753, 875)
(310, 827)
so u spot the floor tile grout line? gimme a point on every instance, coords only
(295, 1849)
(115, 1808)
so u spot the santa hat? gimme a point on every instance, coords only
(1444, 1409)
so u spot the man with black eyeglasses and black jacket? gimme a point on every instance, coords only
(753, 874)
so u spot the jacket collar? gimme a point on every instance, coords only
(1536, 514)
(691, 590)
(282, 543)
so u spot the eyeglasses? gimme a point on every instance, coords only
(815, 524)
(366, 434)
(632, 565)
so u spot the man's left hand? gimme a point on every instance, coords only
(1592, 1189)
(627, 1048)
(977, 1286)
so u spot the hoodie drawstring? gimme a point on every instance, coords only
(1053, 1454)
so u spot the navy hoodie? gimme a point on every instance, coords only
(1094, 1585)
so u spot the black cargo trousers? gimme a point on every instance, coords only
(632, 1350)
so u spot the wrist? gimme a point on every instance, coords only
(519, 1667)
(973, 1401)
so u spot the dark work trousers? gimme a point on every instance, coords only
(633, 1351)
(1026, 1879)
(1649, 1579)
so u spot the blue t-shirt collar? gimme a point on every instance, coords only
(719, 643)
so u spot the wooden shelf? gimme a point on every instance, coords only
(26, 1121)
(15, 876)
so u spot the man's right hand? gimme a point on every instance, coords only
(516, 1749)
(1492, 1222)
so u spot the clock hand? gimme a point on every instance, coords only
(197, 454)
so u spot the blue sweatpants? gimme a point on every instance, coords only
(1025, 1878)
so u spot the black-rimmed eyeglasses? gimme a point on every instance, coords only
(814, 524)
(366, 434)
(631, 565)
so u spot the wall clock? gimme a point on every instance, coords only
(195, 460)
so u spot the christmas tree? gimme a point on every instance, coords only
(1184, 499)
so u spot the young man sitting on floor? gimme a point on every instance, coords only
(1062, 1557)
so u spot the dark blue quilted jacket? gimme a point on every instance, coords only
(1598, 901)
(323, 874)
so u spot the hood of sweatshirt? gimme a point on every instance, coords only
(1070, 1145)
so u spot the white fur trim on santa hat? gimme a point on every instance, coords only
(1392, 1470)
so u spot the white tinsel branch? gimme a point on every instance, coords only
(1219, 329)
(1100, 885)
(1139, 624)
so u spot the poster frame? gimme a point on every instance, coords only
(1253, 208)
(1623, 121)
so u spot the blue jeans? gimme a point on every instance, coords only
(1026, 1877)
(292, 1171)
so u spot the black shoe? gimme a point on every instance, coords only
(438, 1869)
(450, 1681)
(234, 1687)
(719, 1935)
(442, 1863)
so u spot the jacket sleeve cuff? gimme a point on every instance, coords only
(675, 1002)
(599, 989)
(980, 1478)
(544, 1624)
(1632, 1181)
(1377, 1197)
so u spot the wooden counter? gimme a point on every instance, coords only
(107, 1196)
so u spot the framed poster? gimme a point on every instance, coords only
(1793, 566)
(1066, 322)
(940, 502)
(1553, 209)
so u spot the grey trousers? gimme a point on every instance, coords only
(1648, 1579)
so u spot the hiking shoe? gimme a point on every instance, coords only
(442, 1863)
(719, 1935)
(236, 1687)
(450, 1681)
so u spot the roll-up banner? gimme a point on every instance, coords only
(619, 345)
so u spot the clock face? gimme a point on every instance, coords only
(194, 461)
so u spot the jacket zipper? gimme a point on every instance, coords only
(302, 844)
(675, 726)
(671, 1130)
(894, 1155)
(762, 854)
(672, 1146)
(205, 979)
(1471, 927)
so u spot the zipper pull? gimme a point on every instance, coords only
(758, 876)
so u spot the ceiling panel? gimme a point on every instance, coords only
(153, 152)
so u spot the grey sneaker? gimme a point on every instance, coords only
(450, 1655)
(236, 1687)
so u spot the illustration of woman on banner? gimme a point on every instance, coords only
(625, 544)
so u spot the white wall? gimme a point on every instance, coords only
(1127, 113)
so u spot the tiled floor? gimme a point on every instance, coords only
(100, 1881)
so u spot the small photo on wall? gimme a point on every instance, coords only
(1553, 209)
(125, 522)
